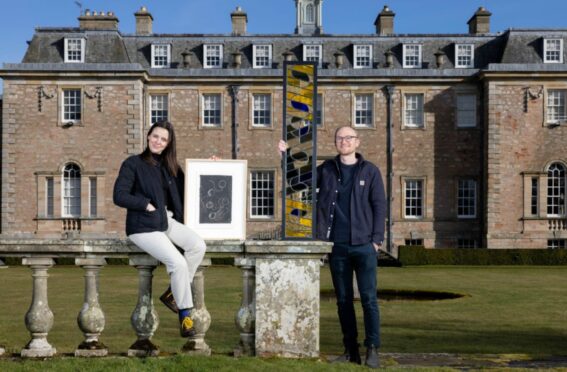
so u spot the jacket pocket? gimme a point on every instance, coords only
(148, 219)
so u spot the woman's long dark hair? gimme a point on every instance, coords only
(169, 154)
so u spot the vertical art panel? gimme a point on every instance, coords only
(299, 131)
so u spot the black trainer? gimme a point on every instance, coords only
(372, 359)
(168, 300)
(352, 356)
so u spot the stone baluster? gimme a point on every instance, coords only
(196, 345)
(39, 318)
(144, 319)
(91, 317)
(246, 315)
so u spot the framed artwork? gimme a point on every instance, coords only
(215, 198)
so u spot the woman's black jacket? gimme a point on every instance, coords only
(139, 183)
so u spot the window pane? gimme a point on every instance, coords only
(74, 50)
(262, 194)
(414, 110)
(363, 110)
(262, 55)
(556, 190)
(553, 50)
(49, 197)
(464, 55)
(412, 55)
(71, 191)
(466, 110)
(71, 105)
(534, 197)
(363, 56)
(466, 199)
(262, 110)
(312, 54)
(414, 198)
(158, 107)
(93, 197)
(213, 55)
(161, 55)
(556, 106)
(212, 110)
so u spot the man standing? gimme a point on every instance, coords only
(351, 207)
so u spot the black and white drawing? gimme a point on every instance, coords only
(215, 199)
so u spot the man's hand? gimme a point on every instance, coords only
(376, 246)
(282, 147)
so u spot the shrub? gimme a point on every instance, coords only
(412, 255)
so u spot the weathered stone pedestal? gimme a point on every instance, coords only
(287, 296)
(196, 345)
(39, 318)
(91, 317)
(144, 319)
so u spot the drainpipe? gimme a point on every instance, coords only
(390, 170)
(234, 94)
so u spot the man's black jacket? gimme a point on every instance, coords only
(367, 202)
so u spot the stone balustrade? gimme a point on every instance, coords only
(280, 319)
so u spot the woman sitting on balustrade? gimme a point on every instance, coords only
(151, 187)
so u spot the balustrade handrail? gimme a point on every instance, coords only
(90, 254)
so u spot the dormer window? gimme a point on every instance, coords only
(553, 50)
(262, 56)
(212, 56)
(312, 53)
(464, 55)
(161, 55)
(412, 56)
(363, 56)
(75, 50)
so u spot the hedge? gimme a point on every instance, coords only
(415, 255)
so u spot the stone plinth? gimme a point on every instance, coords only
(287, 296)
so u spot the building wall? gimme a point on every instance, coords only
(521, 146)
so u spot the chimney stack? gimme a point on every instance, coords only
(480, 22)
(239, 21)
(144, 21)
(385, 22)
(98, 21)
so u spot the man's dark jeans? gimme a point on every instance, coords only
(361, 259)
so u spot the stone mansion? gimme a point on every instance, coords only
(469, 130)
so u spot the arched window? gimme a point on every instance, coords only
(556, 190)
(71, 191)
(309, 14)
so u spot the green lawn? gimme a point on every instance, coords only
(520, 309)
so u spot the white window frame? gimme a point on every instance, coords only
(74, 191)
(361, 108)
(420, 198)
(466, 110)
(205, 106)
(311, 47)
(157, 48)
(556, 106)
(207, 49)
(154, 108)
(93, 197)
(266, 107)
(255, 56)
(65, 106)
(556, 243)
(49, 197)
(68, 50)
(556, 190)
(357, 55)
(418, 109)
(466, 210)
(406, 56)
(464, 53)
(546, 49)
(263, 202)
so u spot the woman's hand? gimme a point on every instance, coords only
(150, 208)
